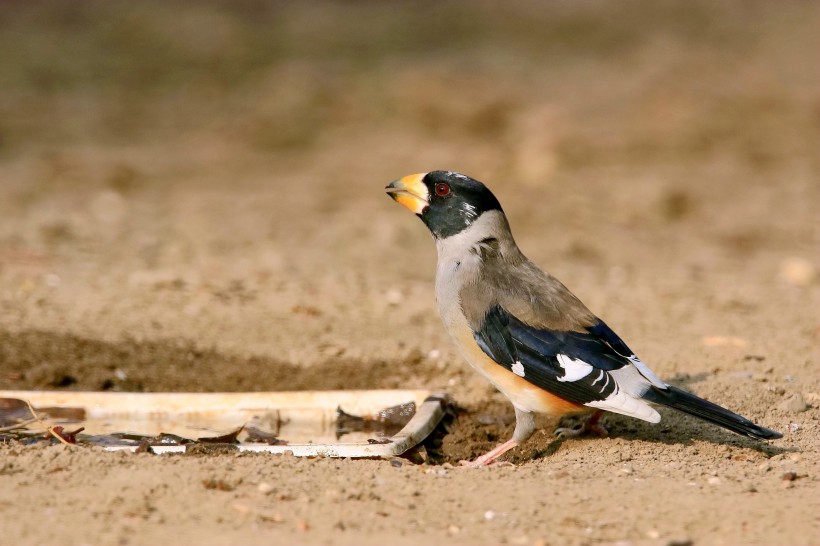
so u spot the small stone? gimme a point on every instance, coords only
(798, 271)
(53, 280)
(628, 470)
(654, 534)
(489, 515)
(434, 354)
(302, 525)
(679, 541)
(396, 463)
(765, 466)
(794, 427)
(725, 341)
(789, 476)
(241, 508)
(714, 480)
(453, 529)
(265, 488)
(750, 488)
(393, 297)
(793, 404)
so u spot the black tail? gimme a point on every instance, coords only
(691, 404)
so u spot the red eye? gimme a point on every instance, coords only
(442, 189)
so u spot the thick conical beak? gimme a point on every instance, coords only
(411, 192)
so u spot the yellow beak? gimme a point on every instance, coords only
(411, 192)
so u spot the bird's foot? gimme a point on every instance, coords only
(590, 426)
(491, 456)
(478, 464)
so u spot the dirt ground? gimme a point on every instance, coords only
(191, 200)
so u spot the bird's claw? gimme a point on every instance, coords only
(583, 429)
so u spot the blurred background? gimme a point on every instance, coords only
(194, 183)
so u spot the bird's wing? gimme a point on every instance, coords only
(593, 367)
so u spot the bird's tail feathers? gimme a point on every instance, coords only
(703, 409)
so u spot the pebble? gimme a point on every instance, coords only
(393, 297)
(789, 476)
(798, 271)
(793, 404)
(750, 488)
(489, 515)
(241, 508)
(714, 480)
(265, 488)
(724, 341)
(453, 529)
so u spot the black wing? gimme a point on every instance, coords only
(540, 356)
(591, 376)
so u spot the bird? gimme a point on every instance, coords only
(524, 331)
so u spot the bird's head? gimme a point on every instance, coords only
(446, 201)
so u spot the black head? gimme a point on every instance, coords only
(446, 201)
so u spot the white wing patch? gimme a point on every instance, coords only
(647, 373)
(573, 369)
(518, 369)
(623, 403)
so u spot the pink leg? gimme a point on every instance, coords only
(524, 427)
(491, 455)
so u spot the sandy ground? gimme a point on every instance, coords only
(186, 214)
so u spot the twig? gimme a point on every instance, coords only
(48, 427)
(21, 424)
